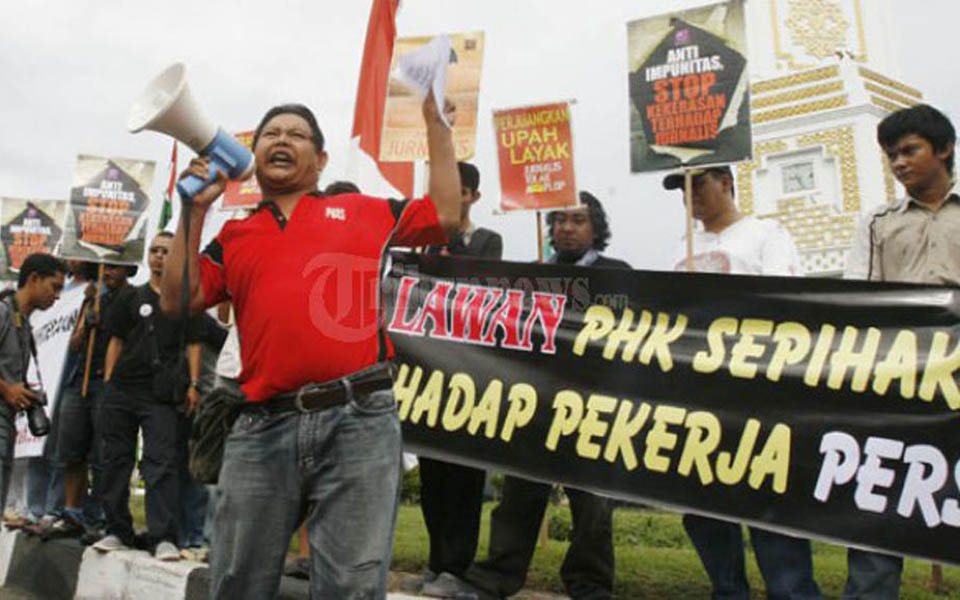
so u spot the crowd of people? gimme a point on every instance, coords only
(316, 443)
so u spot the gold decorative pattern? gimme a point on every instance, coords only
(794, 95)
(889, 182)
(891, 95)
(814, 227)
(745, 172)
(800, 109)
(818, 26)
(890, 83)
(885, 105)
(784, 55)
(797, 79)
(838, 143)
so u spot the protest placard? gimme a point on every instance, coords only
(29, 226)
(689, 88)
(404, 135)
(107, 217)
(535, 157)
(242, 194)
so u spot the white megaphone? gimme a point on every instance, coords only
(167, 106)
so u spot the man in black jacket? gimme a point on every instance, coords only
(470, 240)
(578, 236)
(451, 495)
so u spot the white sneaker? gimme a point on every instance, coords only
(167, 552)
(110, 543)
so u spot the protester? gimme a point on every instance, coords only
(78, 412)
(731, 242)
(39, 285)
(912, 241)
(299, 566)
(143, 352)
(470, 240)
(45, 493)
(578, 237)
(451, 495)
(319, 435)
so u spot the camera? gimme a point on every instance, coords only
(37, 419)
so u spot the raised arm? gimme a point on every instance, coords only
(444, 176)
(171, 288)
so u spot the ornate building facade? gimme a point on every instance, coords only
(823, 74)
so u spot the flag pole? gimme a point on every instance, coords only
(539, 237)
(166, 211)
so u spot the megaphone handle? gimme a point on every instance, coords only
(191, 185)
(225, 154)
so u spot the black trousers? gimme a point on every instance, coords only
(588, 567)
(124, 412)
(451, 497)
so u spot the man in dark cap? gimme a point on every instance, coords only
(731, 242)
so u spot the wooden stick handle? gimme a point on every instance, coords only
(688, 202)
(93, 333)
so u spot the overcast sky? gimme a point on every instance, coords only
(70, 70)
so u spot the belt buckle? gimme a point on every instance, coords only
(298, 401)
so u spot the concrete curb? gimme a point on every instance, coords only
(136, 574)
(64, 570)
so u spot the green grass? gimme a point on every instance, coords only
(655, 561)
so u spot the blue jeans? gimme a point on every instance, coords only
(872, 576)
(339, 468)
(44, 487)
(76, 427)
(785, 562)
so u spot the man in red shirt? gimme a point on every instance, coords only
(319, 437)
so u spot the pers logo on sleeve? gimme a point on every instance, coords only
(336, 212)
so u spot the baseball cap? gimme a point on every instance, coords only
(674, 181)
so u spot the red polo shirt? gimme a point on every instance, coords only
(306, 291)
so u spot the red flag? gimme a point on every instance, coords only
(372, 176)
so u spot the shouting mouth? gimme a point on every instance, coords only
(280, 158)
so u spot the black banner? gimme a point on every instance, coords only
(824, 407)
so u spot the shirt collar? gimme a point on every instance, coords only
(467, 233)
(953, 194)
(589, 257)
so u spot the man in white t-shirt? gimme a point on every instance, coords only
(733, 243)
(729, 241)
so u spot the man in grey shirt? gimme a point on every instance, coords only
(38, 287)
(916, 240)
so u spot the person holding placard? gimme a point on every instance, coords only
(733, 243)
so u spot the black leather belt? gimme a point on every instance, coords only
(315, 397)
